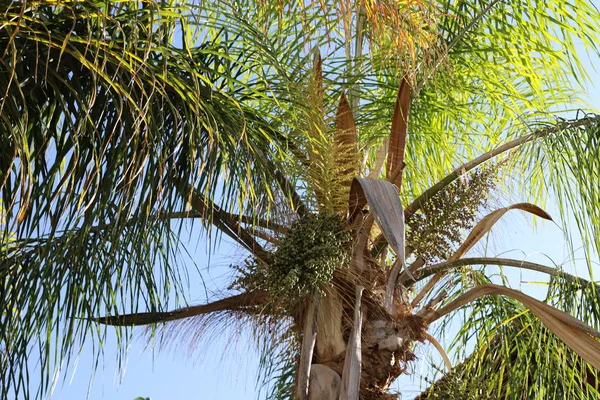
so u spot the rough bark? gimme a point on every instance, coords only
(386, 352)
(385, 346)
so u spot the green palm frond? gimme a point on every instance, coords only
(488, 91)
(103, 116)
(515, 355)
(121, 120)
(568, 167)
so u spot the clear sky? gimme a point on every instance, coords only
(222, 369)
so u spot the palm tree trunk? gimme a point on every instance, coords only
(385, 345)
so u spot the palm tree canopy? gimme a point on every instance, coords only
(121, 120)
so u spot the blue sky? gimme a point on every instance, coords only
(219, 368)
(226, 366)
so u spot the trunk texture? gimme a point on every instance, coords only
(385, 346)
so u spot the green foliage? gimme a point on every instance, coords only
(279, 357)
(506, 69)
(316, 245)
(108, 106)
(514, 355)
(570, 165)
(455, 386)
(102, 117)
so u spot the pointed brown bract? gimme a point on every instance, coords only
(345, 144)
(397, 144)
(345, 128)
(316, 127)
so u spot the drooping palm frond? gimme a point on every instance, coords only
(515, 355)
(105, 112)
(569, 167)
(573, 379)
(488, 91)
(119, 115)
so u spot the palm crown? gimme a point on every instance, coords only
(121, 119)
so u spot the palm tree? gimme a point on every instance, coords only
(122, 120)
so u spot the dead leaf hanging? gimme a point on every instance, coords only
(397, 143)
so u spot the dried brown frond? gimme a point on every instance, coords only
(332, 150)
(397, 141)
(197, 333)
